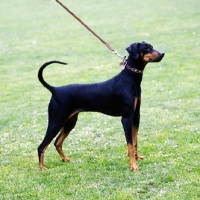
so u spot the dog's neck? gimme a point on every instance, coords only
(135, 63)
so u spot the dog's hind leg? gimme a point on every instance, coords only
(55, 123)
(67, 127)
(52, 131)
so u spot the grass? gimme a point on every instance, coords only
(33, 32)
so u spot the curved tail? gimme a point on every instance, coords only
(40, 77)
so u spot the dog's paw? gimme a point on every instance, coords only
(138, 157)
(134, 167)
(43, 168)
(65, 159)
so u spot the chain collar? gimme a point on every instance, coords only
(134, 69)
(124, 64)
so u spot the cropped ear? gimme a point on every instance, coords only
(133, 50)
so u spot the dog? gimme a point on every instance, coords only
(118, 96)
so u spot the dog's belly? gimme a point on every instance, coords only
(112, 111)
(111, 108)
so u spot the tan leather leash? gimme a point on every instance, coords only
(103, 41)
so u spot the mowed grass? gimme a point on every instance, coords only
(33, 32)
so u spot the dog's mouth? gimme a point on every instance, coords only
(158, 59)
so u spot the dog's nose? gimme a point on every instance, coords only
(162, 54)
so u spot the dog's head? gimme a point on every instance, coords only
(145, 52)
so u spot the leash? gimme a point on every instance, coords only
(123, 63)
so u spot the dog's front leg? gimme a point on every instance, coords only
(135, 136)
(127, 125)
(135, 127)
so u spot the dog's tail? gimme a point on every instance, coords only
(40, 77)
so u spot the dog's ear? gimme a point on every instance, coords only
(133, 50)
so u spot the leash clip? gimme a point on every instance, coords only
(123, 63)
(116, 53)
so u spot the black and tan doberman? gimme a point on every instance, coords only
(118, 96)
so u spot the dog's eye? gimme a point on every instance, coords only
(148, 48)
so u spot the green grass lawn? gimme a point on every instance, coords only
(33, 32)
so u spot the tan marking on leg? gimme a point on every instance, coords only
(59, 143)
(131, 153)
(41, 160)
(135, 102)
(63, 135)
(135, 136)
(135, 132)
